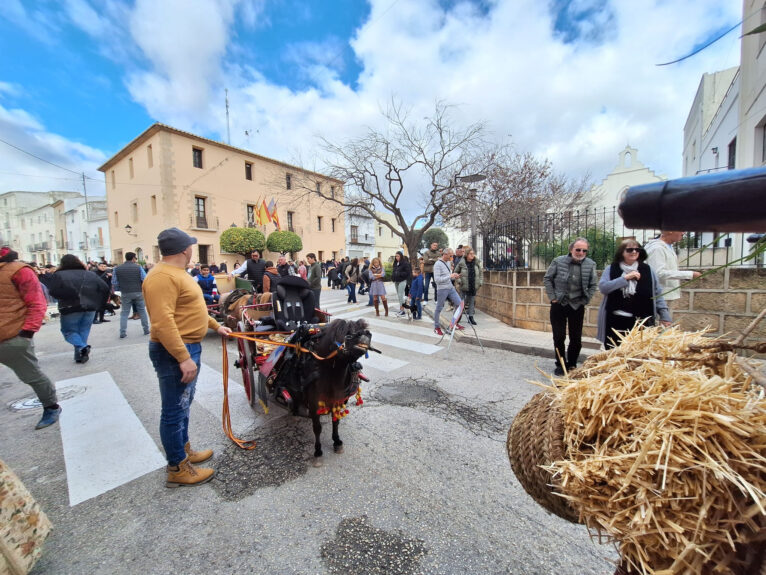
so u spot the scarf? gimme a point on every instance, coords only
(629, 289)
(376, 270)
(471, 277)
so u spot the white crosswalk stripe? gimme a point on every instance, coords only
(104, 442)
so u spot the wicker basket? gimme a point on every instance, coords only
(536, 438)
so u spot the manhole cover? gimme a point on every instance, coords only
(34, 403)
(407, 394)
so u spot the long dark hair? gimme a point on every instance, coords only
(70, 262)
(618, 256)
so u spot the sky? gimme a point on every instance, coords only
(573, 81)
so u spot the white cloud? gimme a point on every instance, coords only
(22, 171)
(184, 44)
(41, 25)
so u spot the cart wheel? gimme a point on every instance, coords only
(246, 365)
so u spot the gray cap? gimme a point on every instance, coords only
(173, 241)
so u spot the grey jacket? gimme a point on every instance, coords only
(556, 279)
(442, 272)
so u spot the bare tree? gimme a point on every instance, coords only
(525, 192)
(520, 186)
(406, 167)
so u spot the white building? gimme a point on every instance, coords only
(726, 127)
(87, 230)
(751, 132)
(387, 243)
(710, 132)
(360, 234)
(43, 226)
(630, 171)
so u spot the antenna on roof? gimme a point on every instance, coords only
(228, 129)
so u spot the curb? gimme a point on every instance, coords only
(516, 347)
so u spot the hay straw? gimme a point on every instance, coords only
(665, 441)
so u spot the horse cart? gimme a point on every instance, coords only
(291, 354)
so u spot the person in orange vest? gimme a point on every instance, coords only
(22, 309)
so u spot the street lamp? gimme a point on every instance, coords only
(472, 179)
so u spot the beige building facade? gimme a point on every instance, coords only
(170, 178)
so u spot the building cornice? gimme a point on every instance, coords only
(158, 127)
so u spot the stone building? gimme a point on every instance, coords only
(167, 177)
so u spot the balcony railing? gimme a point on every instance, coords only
(201, 222)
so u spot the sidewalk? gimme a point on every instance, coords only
(496, 334)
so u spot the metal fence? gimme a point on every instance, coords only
(532, 243)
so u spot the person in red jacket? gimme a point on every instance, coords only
(22, 309)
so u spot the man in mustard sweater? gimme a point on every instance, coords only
(179, 321)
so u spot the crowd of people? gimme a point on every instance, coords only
(171, 300)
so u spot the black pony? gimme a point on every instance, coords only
(321, 376)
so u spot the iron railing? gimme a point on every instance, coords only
(533, 242)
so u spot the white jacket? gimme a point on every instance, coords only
(663, 260)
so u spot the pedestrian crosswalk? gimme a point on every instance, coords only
(401, 341)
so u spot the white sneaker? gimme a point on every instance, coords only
(402, 313)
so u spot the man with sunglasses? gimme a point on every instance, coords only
(570, 283)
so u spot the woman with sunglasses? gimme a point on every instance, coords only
(632, 294)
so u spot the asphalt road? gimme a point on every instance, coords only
(424, 484)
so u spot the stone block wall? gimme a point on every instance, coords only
(727, 301)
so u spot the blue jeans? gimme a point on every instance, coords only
(419, 313)
(446, 293)
(137, 299)
(176, 397)
(351, 289)
(75, 327)
(210, 299)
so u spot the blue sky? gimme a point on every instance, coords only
(572, 81)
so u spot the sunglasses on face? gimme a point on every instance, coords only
(632, 250)
(581, 251)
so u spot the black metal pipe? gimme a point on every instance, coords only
(730, 201)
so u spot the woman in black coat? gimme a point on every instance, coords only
(80, 294)
(401, 274)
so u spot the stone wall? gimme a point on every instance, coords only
(727, 301)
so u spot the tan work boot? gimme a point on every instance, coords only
(187, 475)
(197, 456)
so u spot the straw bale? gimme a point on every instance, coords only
(665, 452)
